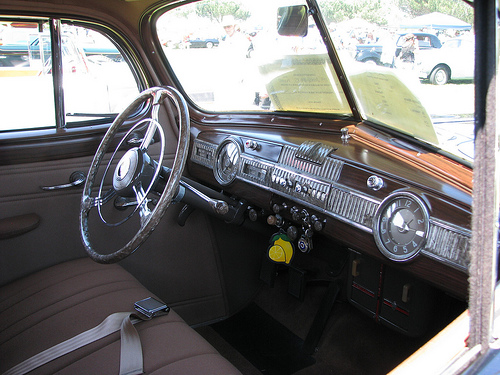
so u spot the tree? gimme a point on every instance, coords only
(458, 9)
(338, 11)
(215, 10)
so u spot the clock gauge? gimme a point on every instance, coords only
(401, 226)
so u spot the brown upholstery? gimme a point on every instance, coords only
(46, 308)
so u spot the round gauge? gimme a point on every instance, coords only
(227, 161)
(401, 226)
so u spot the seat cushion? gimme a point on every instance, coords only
(53, 305)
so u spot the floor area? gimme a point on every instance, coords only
(351, 342)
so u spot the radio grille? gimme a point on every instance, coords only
(446, 243)
(351, 207)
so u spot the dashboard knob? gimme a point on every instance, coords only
(277, 208)
(375, 183)
(251, 144)
(317, 223)
(271, 220)
(276, 220)
(253, 214)
(292, 232)
(304, 215)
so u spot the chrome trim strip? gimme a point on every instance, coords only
(206, 154)
(447, 244)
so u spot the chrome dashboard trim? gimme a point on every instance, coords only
(330, 169)
(448, 244)
(353, 207)
(314, 152)
(203, 153)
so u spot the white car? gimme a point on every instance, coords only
(455, 60)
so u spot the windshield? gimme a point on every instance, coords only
(402, 65)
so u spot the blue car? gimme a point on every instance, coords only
(203, 43)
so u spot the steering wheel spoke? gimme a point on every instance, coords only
(102, 200)
(148, 138)
(136, 174)
(142, 202)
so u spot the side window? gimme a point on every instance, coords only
(97, 81)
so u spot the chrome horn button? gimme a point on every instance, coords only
(126, 170)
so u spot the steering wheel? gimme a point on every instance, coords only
(136, 174)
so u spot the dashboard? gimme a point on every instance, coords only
(370, 192)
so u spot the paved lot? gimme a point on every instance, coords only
(452, 98)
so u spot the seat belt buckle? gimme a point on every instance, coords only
(151, 307)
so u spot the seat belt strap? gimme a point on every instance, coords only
(131, 349)
(130, 352)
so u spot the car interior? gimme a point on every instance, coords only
(161, 214)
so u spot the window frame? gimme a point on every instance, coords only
(18, 146)
(55, 36)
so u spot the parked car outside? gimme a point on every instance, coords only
(454, 61)
(24, 52)
(203, 42)
(33, 57)
(14, 55)
(372, 53)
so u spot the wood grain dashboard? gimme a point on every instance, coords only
(342, 181)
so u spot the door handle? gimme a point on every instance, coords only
(76, 179)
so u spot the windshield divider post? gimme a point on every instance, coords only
(332, 54)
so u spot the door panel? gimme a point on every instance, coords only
(56, 239)
(181, 268)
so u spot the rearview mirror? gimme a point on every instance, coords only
(292, 20)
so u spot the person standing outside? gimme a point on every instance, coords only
(234, 67)
(234, 40)
(408, 53)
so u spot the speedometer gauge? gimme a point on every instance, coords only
(227, 161)
(400, 226)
